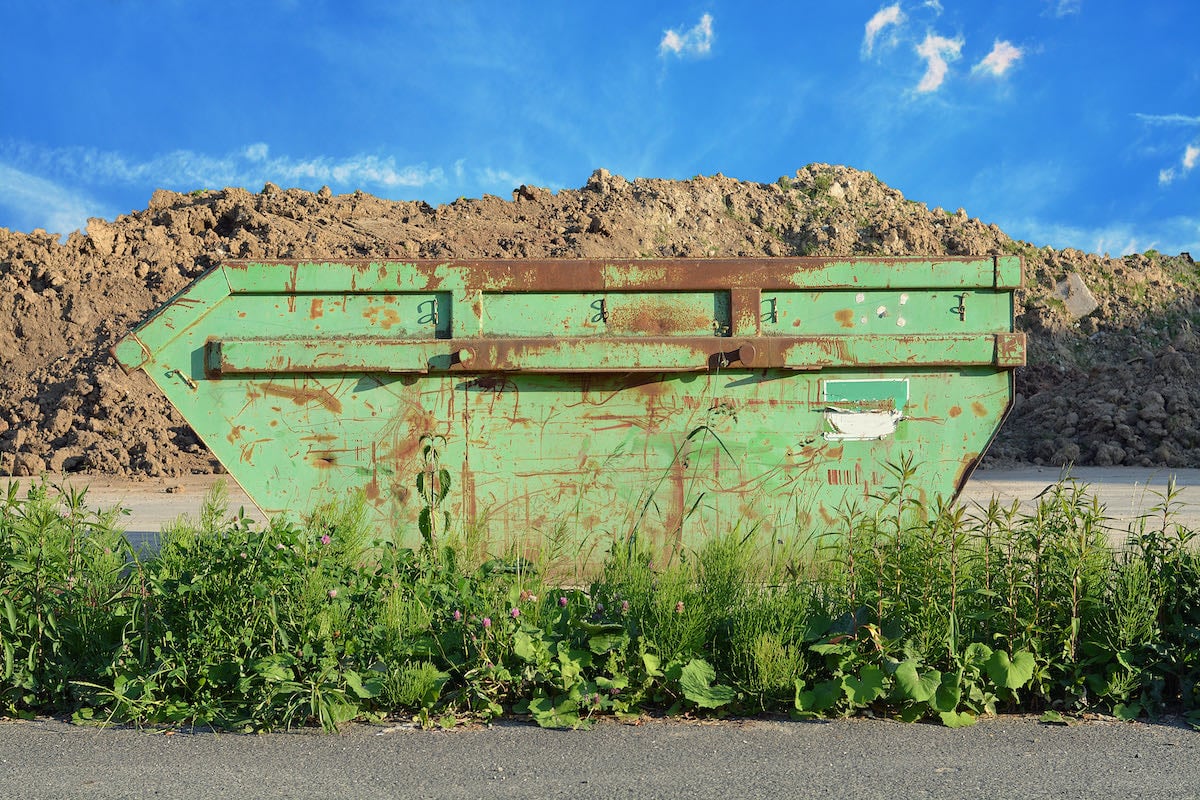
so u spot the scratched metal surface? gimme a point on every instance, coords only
(579, 400)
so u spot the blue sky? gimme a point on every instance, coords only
(1065, 122)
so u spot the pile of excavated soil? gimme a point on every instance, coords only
(1109, 384)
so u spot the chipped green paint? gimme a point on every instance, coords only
(591, 397)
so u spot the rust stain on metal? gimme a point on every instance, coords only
(235, 433)
(316, 308)
(302, 396)
(656, 316)
(955, 411)
(845, 317)
(979, 409)
(383, 317)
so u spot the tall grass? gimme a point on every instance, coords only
(941, 612)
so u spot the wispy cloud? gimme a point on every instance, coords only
(1004, 54)
(695, 43)
(1191, 157)
(1063, 8)
(39, 203)
(1191, 151)
(251, 165)
(937, 52)
(1170, 235)
(1168, 119)
(891, 15)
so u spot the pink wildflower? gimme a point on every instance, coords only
(679, 607)
(562, 602)
(325, 539)
(487, 622)
(332, 593)
(516, 612)
(457, 615)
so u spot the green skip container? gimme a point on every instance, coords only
(530, 401)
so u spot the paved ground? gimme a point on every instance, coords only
(1126, 491)
(997, 758)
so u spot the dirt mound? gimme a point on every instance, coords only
(1108, 386)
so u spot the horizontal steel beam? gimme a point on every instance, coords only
(632, 275)
(233, 356)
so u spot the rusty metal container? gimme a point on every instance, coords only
(547, 399)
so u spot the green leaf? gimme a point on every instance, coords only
(822, 697)
(425, 524)
(696, 683)
(525, 647)
(976, 655)
(949, 693)
(10, 612)
(364, 689)
(1127, 713)
(274, 668)
(653, 665)
(548, 715)
(920, 687)
(443, 485)
(957, 719)
(607, 642)
(225, 673)
(864, 689)
(1011, 673)
(1053, 718)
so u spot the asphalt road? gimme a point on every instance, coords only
(998, 758)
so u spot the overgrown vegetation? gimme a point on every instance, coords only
(942, 614)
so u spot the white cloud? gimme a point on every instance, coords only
(39, 203)
(1004, 54)
(251, 166)
(935, 5)
(695, 42)
(1191, 157)
(1064, 8)
(937, 51)
(1168, 119)
(892, 15)
(1169, 235)
(257, 151)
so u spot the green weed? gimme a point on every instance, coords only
(914, 610)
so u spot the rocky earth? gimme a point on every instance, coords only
(1112, 351)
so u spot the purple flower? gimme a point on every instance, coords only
(457, 615)
(332, 593)
(562, 602)
(325, 539)
(487, 622)
(624, 606)
(679, 607)
(516, 612)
